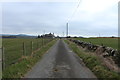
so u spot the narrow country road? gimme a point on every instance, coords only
(60, 62)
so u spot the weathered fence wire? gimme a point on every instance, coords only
(33, 46)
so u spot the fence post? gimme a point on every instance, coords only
(37, 44)
(3, 58)
(23, 49)
(42, 42)
(31, 47)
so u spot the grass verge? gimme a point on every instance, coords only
(18, 70)
(94, 64)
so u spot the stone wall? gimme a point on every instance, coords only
(101, 50)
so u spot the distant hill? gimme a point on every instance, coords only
(16, 36)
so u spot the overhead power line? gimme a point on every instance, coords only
(74, 11)
(67, 25)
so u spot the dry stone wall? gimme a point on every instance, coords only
(102, 50)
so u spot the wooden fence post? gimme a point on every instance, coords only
(31, 47)
(37, 44)
(42, 42)
(23, 49)
(3, 58)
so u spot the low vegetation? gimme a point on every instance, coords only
(13, 48)
(19, 69)
(94, 64)
(109, 42)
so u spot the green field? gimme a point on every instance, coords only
(109, 42)
(19, 69)
(13, 48)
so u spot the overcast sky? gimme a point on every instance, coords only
(92, 18)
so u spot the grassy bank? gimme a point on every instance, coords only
(18, 70)
(93, 63)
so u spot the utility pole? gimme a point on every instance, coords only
(99, 34)
(63, 33)
(44, 32)
(67, 30)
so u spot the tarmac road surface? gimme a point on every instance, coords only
(60, 62)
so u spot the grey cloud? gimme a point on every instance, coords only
(52, 17)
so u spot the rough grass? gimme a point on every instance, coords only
(94, 64)
(18, 70)
(109, 42)
(13, 48)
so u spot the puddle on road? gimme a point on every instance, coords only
(55, 70)
(70, 51)
(61, 68)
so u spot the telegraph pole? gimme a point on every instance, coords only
(99, 35)
(63, 34)
(67, 30)
(44, 32)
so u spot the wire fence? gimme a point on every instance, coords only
(15, 50)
